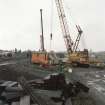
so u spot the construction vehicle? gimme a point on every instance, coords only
(43, 57)
(75, 57)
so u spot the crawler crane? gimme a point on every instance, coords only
(75, 57)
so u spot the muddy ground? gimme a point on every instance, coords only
(22, 67)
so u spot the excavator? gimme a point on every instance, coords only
(75, 57)
(43, 57)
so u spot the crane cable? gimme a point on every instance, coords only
(74, 21)
(51, 25)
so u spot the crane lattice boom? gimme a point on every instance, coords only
(64, 25)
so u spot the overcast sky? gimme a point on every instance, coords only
(20, 23)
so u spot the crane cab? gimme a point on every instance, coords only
(79, 58)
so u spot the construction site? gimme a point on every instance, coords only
(70, 76)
